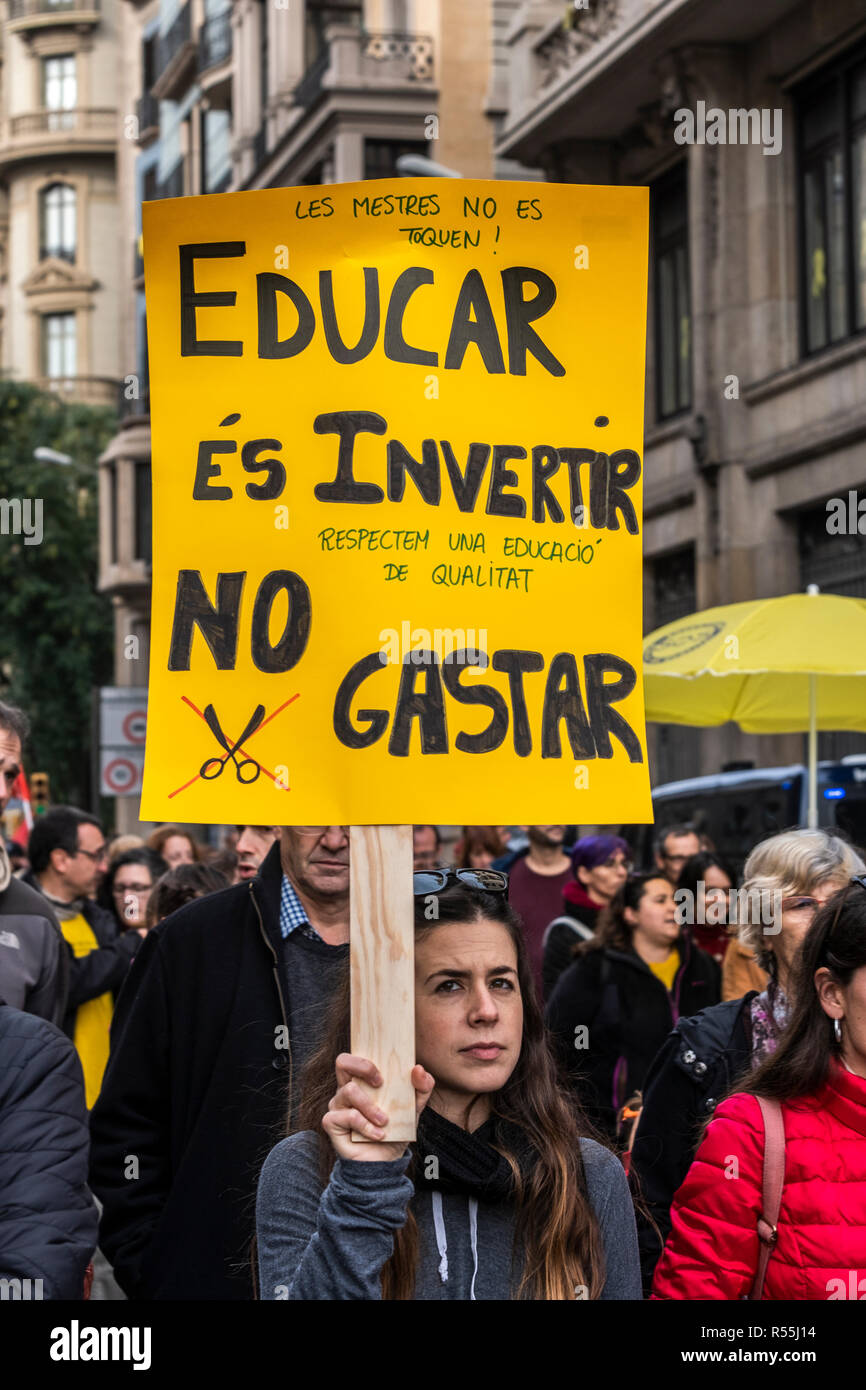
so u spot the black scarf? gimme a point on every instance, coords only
(468, 1163)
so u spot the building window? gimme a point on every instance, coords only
(263, 62)
(59, 346)
(676, 746)
(673, 320)
(832, 147)
(143, 538)
(148, 63)
(216, 157)
(380, 156)
(57, 221)
(59, 90)
(318, 15)
(674, 594)
(837, 564)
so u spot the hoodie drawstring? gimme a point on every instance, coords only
(442, 1241)
(473, 1237)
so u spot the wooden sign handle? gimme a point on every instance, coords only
(382, 955)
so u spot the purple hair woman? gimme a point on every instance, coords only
(601, 865)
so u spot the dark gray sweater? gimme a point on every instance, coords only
(332, 1244)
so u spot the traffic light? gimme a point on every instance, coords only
(40, 792)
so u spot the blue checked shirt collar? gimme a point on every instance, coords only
(292, 915)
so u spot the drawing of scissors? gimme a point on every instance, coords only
(217, 764)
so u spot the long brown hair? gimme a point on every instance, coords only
(555, 1228)
(800, 1065)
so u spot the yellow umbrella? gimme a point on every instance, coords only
(773, 666)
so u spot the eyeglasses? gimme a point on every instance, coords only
(96, 855)
(434, 880)
(859, 879)
(137, 888)
(801, 905)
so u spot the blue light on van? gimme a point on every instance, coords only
(834, 793)
(786, 786)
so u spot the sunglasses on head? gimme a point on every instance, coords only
(484, 880)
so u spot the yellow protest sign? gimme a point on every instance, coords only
(397, 437)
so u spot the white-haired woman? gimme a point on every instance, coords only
(786, 880)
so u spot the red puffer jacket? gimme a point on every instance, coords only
(712, 1251)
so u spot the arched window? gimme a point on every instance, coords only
(57, 219)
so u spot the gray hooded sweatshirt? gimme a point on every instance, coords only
(34, 958)
(332, 1244)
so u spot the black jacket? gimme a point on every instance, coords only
(101, 971)
(196, 1090)
(575, 923)
(48, 1219)
(627, 1013)
(698, 1066)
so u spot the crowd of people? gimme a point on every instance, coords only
(610, 1058)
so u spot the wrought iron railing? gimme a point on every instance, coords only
(260, 145)
(310, 84)
(168, 45)
(214, 40)
(147, 111)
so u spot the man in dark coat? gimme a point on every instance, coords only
(48, 1219)
(223, 1005)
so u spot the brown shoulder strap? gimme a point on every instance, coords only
(771, 1197)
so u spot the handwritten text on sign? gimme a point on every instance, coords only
(397, 499)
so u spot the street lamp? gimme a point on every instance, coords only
(413, 165)
(45, 455)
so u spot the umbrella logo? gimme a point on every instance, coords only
(678, 643)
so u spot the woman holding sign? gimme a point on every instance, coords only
(502, 1196)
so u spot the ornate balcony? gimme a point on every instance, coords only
(563, 45)
(175, 57)
(84, 390)
(79, 130)
(365, 60)
(43, 14)
(408, 57)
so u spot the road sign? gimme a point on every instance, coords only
(122, 727)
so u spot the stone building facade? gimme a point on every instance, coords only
(756, 381)
(60, 273)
